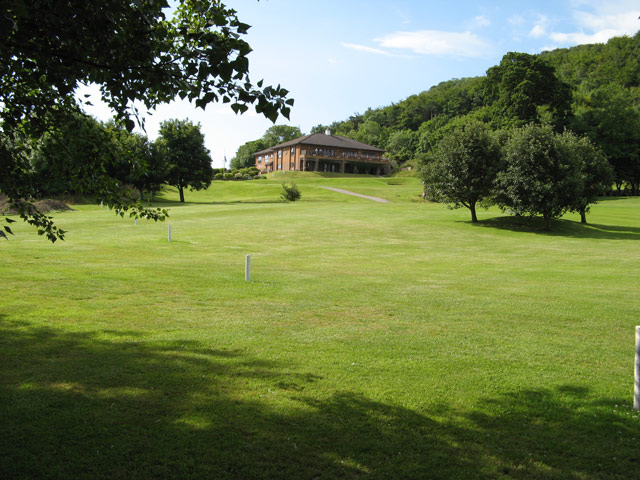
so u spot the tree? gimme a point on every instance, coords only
(139, 163)
(188, 162)
(596, 172)
(521, 85)
(610, 116)
(63, 157)
(244, 156)
(401, 145)
(464, 166)
(134, 53)
(541, 175)
(280, 134)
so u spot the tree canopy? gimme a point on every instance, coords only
(520, 85)
(134, 53)
(181, 144)
(464, 166)
(541, 175)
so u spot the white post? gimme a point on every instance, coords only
(169, 232)
(247, 269)
(135, 221)
(100, 203)
(636, 389)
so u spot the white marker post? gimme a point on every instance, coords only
(169, 232)
(247, 269)
(135, 221)
(636, 389)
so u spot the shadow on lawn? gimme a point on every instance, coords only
(562, 228)
(73, 405)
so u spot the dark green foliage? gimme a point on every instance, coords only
(596, 172)
(593, 66)
(290, 193)
(244, 156)
(401, 146)
(181, 144)
(520, 85)
(463, 166)
(134, 53)
(542, 175)
(610, 116)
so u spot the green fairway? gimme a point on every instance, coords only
(374, 340)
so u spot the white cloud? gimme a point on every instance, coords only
(603, 21)
(480, 21)
(516, 20)
(537, 31)
(435, 42)
(540, 27)
(579, 38)
(624, 22)
(363, 48)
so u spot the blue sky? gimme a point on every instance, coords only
(338, 58)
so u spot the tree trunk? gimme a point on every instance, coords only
(474, 217)
(583, 215)
(547, 223)
(181, 190)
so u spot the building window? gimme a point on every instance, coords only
(279, 153)
(293, 149)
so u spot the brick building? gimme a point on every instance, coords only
(320, 152)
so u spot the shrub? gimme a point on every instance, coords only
(228, 176)
(246, 176)
(290, 193)
(238, 176)
(218, 176)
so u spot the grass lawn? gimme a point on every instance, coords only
(375, 340)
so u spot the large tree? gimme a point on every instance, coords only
(181, 143)
(463, 166)
(596, 172)
(542, 175)
(523, 88)
(138, 163)
(134, 53)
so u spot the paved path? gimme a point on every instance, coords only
(368, 197)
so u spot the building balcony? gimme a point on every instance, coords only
(340, 158)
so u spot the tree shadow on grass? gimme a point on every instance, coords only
(562, 228)
(73, 405)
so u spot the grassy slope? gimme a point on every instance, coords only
(394, 340)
